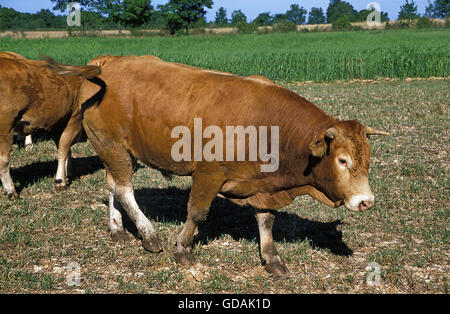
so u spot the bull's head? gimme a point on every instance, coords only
(342, 157)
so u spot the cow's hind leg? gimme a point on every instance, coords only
(269, 255)
(64, 156)
(204, 190)
(28, 143)
(5, 176)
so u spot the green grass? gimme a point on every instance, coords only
(326, 250)
(315, 57)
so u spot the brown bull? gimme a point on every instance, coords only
(32, 98)
(145, 107)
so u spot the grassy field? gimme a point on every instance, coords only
(318, 57)
(326, 250)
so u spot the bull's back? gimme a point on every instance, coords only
(157, 97)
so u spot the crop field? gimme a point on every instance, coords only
(314, 57)
(45, 232)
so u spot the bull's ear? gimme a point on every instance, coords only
(319, 146)
(370, 131)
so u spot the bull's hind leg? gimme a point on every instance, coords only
(119, 167)
(269, 255)
(118, 232)
(5, 151)
(204, 189)
(150, 240)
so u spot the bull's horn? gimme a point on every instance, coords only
(371, 131)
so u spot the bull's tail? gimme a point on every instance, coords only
(86, 71)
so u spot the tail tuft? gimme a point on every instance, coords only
(86, 71)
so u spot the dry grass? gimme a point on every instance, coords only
(326, 250)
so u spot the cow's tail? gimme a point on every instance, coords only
(86, 71)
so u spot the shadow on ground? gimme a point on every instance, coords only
(169, 205)
(29, 174)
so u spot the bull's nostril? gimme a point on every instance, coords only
(365, 205)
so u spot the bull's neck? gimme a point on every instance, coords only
(306, 124)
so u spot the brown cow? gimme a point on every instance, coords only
(143, 100)
(32, 97)
(13, 55)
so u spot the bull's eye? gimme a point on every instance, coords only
(344, 162)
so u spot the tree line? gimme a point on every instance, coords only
(183, 15)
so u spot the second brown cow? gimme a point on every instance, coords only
(33, 98)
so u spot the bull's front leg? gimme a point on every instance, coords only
(269, 254)
(204, 189)
(5, 176)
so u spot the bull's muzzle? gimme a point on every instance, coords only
(365, 205)
(360, 202)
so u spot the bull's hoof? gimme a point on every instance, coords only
(60, 185)
(152, 245)
(12, 195)
(185, 258)
(119, 236)
(277, 268)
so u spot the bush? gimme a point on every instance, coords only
(342, 24)
(424, 22)
(285, 27)
(247, 28)
(135, 32)
(398, 25)
(198, 31)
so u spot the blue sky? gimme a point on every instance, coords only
(250, 7)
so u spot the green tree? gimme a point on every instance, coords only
(8, 18)
(45, 17)
(11, 19)
(183, 14)
(296, 14)
(132, 13)
(158, 20)
(408, 11)
(362, 15)
(316, 16)
(279, 18)
(342, 23)
(338, 8)
(438, 9)
(61, 5)
(92, 20)
(263, 19)
(221, 17)
(237, 16)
